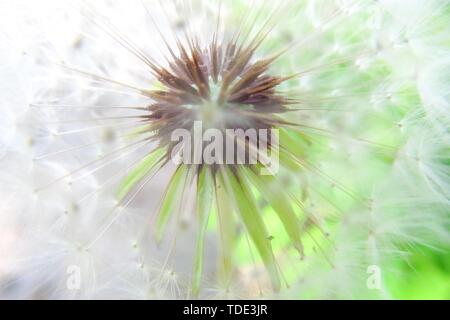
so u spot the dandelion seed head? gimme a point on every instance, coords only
(363, 177)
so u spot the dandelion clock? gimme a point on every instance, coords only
(224, 149)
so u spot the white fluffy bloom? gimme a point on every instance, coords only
(373, 96)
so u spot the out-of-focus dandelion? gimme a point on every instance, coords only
(95, 179)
